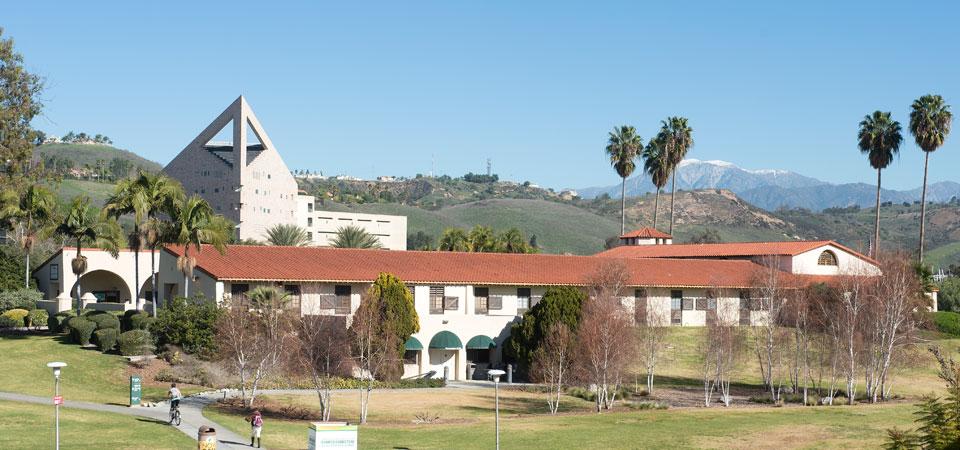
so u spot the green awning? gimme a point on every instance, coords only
(446, 340)
(413, 344)
(481, 342)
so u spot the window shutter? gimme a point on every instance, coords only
(496, 302)
(436, 290)
(701, 304)
(688, 304)
(450, 303)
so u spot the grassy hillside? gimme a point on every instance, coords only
(98, 192)
(82, 154)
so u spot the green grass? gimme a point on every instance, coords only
(82, 154)
(89, 375)
(98, 192)
(30, 426)
(943, 255)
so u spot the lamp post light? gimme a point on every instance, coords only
(57, 400)
(496, 374)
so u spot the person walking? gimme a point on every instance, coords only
(256, 426)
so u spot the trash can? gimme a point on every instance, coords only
(206, 438)
(471, 368)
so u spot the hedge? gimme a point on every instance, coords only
(19, 299)
(7, 322)
(57, 322)
(106, 339)
(81, 330)
(137, 320)
(105, 320)
(18, 315)
(37, 318)
(134, 342)
(946, 322)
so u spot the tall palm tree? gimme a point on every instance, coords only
(128, 198)
(623, 146)
(162, 195)
(193, 223)
(454, 240)
(513, 241)
(34, 212)
(354, 237)
(880, 139)
(84, 226)
(656, 165)
(287, 234)
(482, 239)
(678, 140)
(930, 119)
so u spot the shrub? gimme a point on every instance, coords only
(558, 305)
(106, 338)
(57, 322)
(946, 322)
(105, 320)
(37, 317)
(19, 299)
(81, 330)
(7, 322)
(188, 324)
(134, 342)
(18, 315)
(136, 321)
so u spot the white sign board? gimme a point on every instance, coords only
(332, 435)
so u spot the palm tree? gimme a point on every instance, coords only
(512, 241)
(880, 139)
(268, 297)
(128, 198)
(354, 237)
(454, 240)
(656, 165)
(482, 239)
(162, 194)
(623, 145)
(193, 223)
(34, 211)
(930, 124)
(678, 140)
(288, 234)
(84, 226)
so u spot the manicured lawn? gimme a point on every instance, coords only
(30, 426)
(466, 421)
(89, 375)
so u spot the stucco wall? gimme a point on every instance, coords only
(323, 225)
(806, 263)
(98, 262)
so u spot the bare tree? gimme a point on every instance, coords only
(769, 337)
(375, 349)
(797, 314)
(323, 352)
(275, 326)
(828, 341)
(552, 362)
(605, 346)
(237, 336)
(651, 343)
(852, 300)
(721, 349)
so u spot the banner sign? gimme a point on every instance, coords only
(332, 435)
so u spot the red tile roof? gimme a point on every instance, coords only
(731, 249)
(271, 263)
(647, 233)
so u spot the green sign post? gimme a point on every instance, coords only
(135, 390)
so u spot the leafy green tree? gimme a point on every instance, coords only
(677, 141)
(482, 239)
(949, 297)
(120, 168)
(930, 119)
(389, 300)
(19, 104)
(189, 324)
(623, 146)
(352, 236)
(84, 226)
(11, 270)
(420, 241)
(879, 138)
(656, 165)
(287, 234)
(454, 240)
(708, 236)
(559, 305)
(193, 223)
(33, 213)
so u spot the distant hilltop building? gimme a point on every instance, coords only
(246, 180)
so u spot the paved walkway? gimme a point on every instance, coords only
(191, 411)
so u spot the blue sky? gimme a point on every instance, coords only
(386, 88)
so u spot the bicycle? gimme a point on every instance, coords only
(175, 414)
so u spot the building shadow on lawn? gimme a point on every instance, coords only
(149, 420)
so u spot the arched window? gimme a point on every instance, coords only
(827, 258)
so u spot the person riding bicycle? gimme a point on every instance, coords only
(175, 396)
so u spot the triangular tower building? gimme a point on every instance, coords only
(234, 166)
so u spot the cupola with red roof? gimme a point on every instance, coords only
(646, 236)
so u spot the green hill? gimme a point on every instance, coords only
(68, 189)
(88, 154)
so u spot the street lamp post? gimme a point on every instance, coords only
(496, 374)
(56, 366)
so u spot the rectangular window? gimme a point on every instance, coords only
(309, 221)
(237, 289)
(712, 303)
(292, 289)
(640, 294)
(342, 292)
(495, 302)
(676, 300)
(701, 304)
(54, 272)
(410, 356)
(328, 301)
(523, 300)
(436, 299)
(688, 304)
(481, 300)
(744, 299)
(310, 235)
(309, 207)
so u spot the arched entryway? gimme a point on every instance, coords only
(103, 284)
